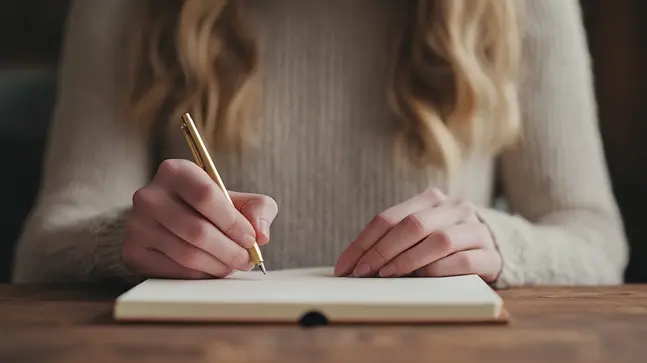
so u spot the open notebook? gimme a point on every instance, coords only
(294, 295)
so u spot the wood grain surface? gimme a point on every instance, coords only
(549, 324)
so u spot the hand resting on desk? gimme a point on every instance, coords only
(182, 226)
(427, 235)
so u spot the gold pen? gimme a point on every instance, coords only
(202, 158)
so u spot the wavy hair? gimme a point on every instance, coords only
(453, 85)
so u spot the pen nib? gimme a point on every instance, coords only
(262, 267)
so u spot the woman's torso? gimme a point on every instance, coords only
(326, 152)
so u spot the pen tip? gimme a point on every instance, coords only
(262, 267)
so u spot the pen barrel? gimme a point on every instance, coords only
(255, 254)
(202, 158)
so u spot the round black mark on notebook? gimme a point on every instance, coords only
(312, 319)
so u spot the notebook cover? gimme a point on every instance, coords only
(503, 318)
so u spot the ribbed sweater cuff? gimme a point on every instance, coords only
(508, 245)
(108, 259)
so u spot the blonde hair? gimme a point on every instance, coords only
(453, 86)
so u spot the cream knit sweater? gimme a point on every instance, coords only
(326, 155)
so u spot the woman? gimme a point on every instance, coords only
(331, 169)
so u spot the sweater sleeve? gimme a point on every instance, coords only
(93, 163)
(565, 227)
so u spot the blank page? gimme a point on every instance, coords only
(316, 286)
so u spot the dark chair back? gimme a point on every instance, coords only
(27, 98)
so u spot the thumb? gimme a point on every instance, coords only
(260, 210)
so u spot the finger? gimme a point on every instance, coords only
(471, 209)
(482, 262)
(179, 250)
(438, 245)
(260, 210)
(194, 258)
(151, 263)
(409, 232)
(191, 227)
(381, 225)
(195, 187)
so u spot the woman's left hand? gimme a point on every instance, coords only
(427, 235)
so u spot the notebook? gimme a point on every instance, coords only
(314, 294)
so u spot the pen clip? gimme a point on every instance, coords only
(200, 153)
(193, 146)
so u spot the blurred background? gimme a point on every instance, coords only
(30, 35)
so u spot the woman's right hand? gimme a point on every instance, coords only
(182, 226)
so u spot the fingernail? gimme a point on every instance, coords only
(346, 264)
(249, 240)
(362, 270)
(387, 271)
(264, 226)
(339, 271)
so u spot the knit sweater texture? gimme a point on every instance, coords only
(326, 153)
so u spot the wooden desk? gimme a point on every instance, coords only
(73, 324)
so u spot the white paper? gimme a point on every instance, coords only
(317, 286)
